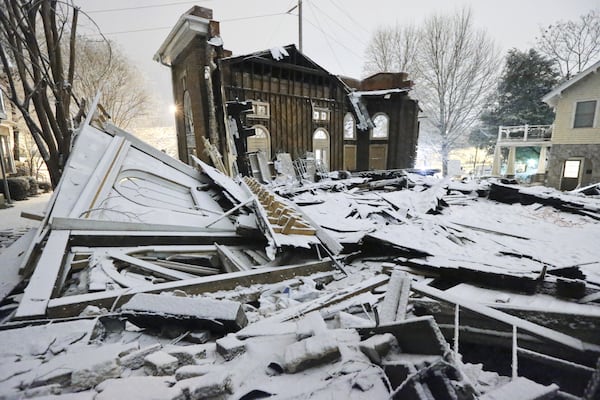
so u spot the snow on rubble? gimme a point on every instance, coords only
(150, 279)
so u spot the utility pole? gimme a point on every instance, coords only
(300, 25)
(299, 7)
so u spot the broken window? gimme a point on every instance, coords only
(380, 131)
(585, 112)
(349, 127)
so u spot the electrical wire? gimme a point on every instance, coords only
(171, 27)
(335, 40)
(352, 33)
(350, 17)
(140, 7)
(327, 40)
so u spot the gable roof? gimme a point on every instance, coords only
(552, 98)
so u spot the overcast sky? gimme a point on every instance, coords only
(336, 32)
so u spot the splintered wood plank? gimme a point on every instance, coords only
(73, 305)
(149, 267)
(11, 259)
(44, 277)
(488, 312)
(230, 261)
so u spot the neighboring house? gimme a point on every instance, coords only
(288, 103)
(575, 155)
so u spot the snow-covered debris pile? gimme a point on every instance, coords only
(151, 279)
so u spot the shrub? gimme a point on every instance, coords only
(44, 186)
(33, 185)
(18, 187)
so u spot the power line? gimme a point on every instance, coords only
(170, 27)
(139, 30)
(352, 33)
(327, 40)
(350, 17)
(140, 7)
(335, 40)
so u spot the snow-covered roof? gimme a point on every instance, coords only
(552, 97)
(382, 92)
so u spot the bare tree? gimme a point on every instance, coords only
(39, 77)
(392, 50)
(457, 70)
(573, 45)
(101, 66)
(454, 66)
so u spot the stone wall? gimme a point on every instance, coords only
(561, 152)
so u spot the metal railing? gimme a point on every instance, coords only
(525, 133)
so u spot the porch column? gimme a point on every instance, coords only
(497, 161)
(540, 176)
(510, 165)
(542, 161)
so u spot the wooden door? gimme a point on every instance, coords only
(378, 156)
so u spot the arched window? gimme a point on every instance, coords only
(188, 122)
(260, 141)
(349, 127)
(381, 129)
(321, 146)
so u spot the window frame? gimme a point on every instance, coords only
(321, 114)
(349, 117)
(372, 130)
(594, 116)
(255, 106)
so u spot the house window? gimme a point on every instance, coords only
(585, 112)
(188, 121)
(260, 141)
(260, 109)
(381, 129)
(349, 127)
(320, 114)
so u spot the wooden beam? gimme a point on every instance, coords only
(44, 278)
(488, 312)
(73, 305)
(104, 225)
(149, 267)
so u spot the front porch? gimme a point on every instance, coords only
(512, 137)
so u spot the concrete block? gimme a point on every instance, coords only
(156, 310)
(377, 346)
(135, 359)
(214, 384)
(192, 371)
(187, 355)
(310, 352)
(230, 347)
(160, 363)
(139, 388)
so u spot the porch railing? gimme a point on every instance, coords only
(525, 133)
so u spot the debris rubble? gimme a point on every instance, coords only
(151, 279)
